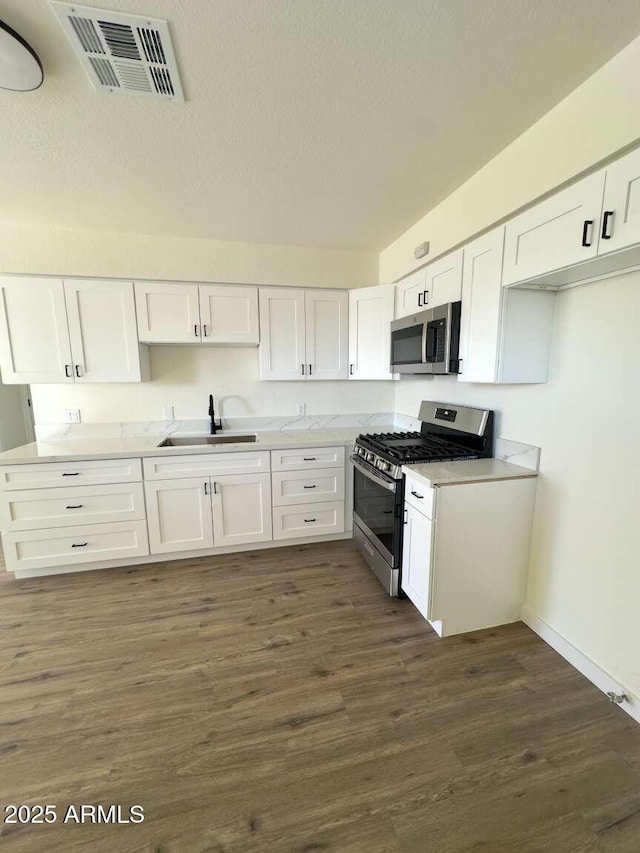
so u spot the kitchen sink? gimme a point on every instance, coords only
(195, 440)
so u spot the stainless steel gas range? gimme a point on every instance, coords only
(447, 433)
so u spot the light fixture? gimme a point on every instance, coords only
(20, 68)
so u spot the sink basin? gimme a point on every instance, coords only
(194, 441)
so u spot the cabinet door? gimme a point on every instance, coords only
(229, 314)
(416, 559)
(168, 312)
(327, 334)
(102, 329)
(482, 294)
(558, 232)
(621, 208)
(410, 294)
(242, 509)
(34, 338)
(179, 515)
(282, 353)
(444, 280)
(370, 316)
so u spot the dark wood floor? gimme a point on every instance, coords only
(279, 701)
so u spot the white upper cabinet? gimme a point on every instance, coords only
(370, 314)
(327, 334)
(241, 509)
(34, 339)
(411, 293)
(303, 334)
(174, 313)
(621, 209)
(505, 333)
(229, 314)
(444, 280)
(282, 353)
(558, 232)
(168, 312)
(102, 330)
(481, 305)
(79, 330)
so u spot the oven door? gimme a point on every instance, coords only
(409, 344)
(377, 509)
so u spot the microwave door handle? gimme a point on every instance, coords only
(431, 343)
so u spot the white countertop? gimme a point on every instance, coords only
(68, 450)
(468, 471)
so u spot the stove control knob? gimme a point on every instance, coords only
(370, 457)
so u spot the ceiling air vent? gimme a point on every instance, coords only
(123, 54)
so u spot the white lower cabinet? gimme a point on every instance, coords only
(241, 509)
(69, 546)
(464, 560)
(179, 514)
(295, 487)
(293, 522)
(416, 559)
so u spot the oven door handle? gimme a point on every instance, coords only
(389, 485)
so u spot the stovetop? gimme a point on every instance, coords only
(389, 451)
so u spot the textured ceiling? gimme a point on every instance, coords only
(308, 122)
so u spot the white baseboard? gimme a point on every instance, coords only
(596, 675)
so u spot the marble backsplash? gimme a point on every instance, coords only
(127, 429)
(525, 455)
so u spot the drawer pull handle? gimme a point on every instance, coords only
(81, 545)
(416, 495)
(74, 506)
(308, 487)
(309, 520)
(74, 474)
(308, 458)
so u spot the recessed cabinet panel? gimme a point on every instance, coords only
(241, 509)
(411, 293)
(621, 210)
(444, 280)
(167, 312)
(229, 314)
(282, 352)
(558, 232)
(370, 315)
(34, 337)
(327, 334)
(102, 329)
(416, 559)
(179, 515)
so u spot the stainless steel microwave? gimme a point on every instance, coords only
(428, 342)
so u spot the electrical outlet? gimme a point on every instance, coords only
(72, 416)
(168, 412)
(301, 409)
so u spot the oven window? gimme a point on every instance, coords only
(375, 507)
(406, 345)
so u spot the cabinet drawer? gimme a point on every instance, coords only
(307, 458)
(305, 487)
(87, 473)
(87, 543)
(291, 522)
(419, 496)
(34, 509)
(206, 465)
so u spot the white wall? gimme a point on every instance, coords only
(184, 376)
(585, 567)
(599, 118)
(62, 251)
(13, 431)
